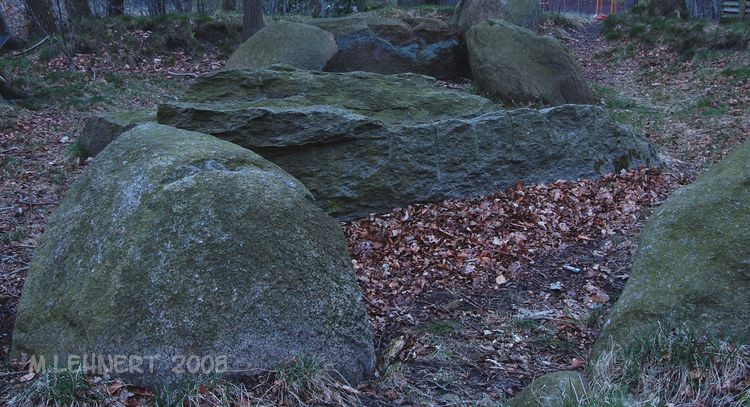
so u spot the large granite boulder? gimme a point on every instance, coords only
(300, 45)
(389, 45)
(521, 67)
(173, 244)
(692, 268)
(553, 389)
(523, 13)
(100, 129)
(364, 142)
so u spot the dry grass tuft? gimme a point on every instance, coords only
(675, 368)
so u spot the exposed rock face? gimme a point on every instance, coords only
(177, 243)
(389, 46)
(692, 268)
(300, 45)
(523, 13)
(522, 67)
(363, 142)
(552, 389)
(99, 130)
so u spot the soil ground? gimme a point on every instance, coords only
(470, 299)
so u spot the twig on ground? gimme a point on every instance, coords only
(190, 74)
(15, 259)
(18, 270)
(25, 202)
(33, 47)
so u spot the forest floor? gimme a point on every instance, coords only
(470, 299)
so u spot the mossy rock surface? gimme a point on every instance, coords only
(390, 45)
(364, 142)
(523, 13)
(100, 129)
(390, 99)
(300, 45)
(522, 67)
(552, 389)
(692, 268)
(173, 244)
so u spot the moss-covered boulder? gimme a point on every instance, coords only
(364, 142)
(300, 45)
(692, 268)
(523, 13)
(552, 389)
(173, 244)
(100, 129)
(390, 45)
(522, 67)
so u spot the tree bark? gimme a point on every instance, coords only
(178, 6)
(157, 7)
(252, 17)
(116, 7)
(229, 5)
(78, 8)
(41, 20)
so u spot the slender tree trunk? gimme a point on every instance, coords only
(157, 7)
(252, 17)
(41, 20)
(228, 5)
(78, 8)
(116, 7)
(178, 6)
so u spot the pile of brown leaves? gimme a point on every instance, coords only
(488, 241)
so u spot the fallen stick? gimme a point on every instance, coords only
(33, 47)
(193, 75)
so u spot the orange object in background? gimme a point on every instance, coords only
(599, 16)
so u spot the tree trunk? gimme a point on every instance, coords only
(228, 5)
(41, 20)
(116, 7)
(252, 17)
(178, 6)
(78, 9)
(157, 7)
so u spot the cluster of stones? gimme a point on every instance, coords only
(203, 229)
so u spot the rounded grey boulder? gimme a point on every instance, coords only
(100, 129)
(299, 45)
(174, 245)
(523, 13)
(522, 67)
(692, 268)
(390, 45)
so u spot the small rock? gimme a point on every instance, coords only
(552, 389)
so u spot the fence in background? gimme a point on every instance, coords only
(584, 6)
